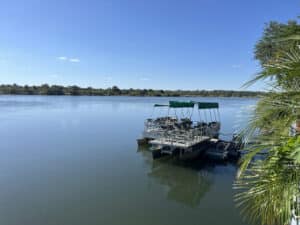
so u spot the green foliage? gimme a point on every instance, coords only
(75, 90)
(269, 176)
(283, 71)
(270, 186)
(276, 40)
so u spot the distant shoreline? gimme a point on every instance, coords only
(57, 90)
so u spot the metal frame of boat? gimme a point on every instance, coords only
(181, 135)
(164, 126)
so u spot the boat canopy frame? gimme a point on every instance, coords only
(209, 109)
(208, 105)
(160, 105)
(187, 108)
(177, 104)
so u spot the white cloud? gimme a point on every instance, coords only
(65, 58)
(62, 58)
(74, 60)
(144, 78)
(236, 66)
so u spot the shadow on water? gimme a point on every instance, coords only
(187, 182)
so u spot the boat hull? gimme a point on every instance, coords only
(143, 141)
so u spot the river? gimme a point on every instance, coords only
(74, 161)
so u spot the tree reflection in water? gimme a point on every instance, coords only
(187, 182)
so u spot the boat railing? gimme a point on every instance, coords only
(184, 130)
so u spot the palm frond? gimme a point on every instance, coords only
(292, 37)
(268, 179)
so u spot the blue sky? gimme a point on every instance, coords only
(161, 44)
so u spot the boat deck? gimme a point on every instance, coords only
(177, 143)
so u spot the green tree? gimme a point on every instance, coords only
(269, 175)
(55, 90)
(74, 90)
(115, 90)
(274, 43)
(44, 89)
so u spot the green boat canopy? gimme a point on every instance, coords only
(160, 105)
(208, 105)
(201, 105)
(176, 104)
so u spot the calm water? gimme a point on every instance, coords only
(74, 161)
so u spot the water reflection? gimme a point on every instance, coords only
(187, 182)
(185, 185)
(83, 167)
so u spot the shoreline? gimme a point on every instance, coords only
(56, 90)
(140, 96)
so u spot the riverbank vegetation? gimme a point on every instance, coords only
(269, 177)
(115, 91)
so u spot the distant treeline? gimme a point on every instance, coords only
(114, 91)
